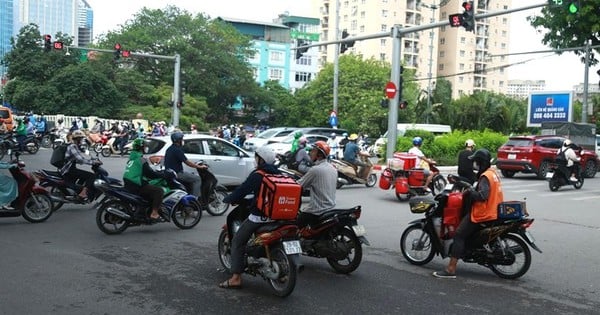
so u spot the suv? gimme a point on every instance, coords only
(533, 154)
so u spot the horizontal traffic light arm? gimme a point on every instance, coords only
(111, 51)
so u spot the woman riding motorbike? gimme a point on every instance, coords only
(73, 156)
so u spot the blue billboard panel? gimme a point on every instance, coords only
(549, 107)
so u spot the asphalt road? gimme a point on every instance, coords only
(67, 266)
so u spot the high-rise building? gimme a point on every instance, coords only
(51, 16)
(7, 28)
(522, 88)
(85, 23)
(452, 53)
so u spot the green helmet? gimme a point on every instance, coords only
(138, 144)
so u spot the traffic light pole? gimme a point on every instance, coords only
(176, 98)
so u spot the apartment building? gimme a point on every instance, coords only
(522, 88)
(452, 53)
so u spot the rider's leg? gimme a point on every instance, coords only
(193, 180)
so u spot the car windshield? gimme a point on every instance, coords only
(266, 134)
(519, 143)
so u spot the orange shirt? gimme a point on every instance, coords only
(487, 210)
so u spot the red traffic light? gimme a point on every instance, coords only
(467, 6)
(47, 37)
(125, 53)
(117, 46)
(456, 20)
(58, 45)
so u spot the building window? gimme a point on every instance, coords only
(303, 76)
(383, 27)
(275, 74)
(461, 79)
(441, 67)
(461, 66)
(304, 61)
(462, 40)
(363, 14)
(504, 21)
(442, 41)
(443, 28)
(362, 28)
(503, 33)
(462, 53)
(353, 25)
(382, 57)
(384, 13)
(442, 54)
(276, 56)
(501, 83)
(503, 45)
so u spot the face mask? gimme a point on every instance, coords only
(475, 166)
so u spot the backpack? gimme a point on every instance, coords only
(279, 197)
(58, 155)
(560, 157)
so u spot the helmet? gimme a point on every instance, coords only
(353, 137)
(345, 134)
(297, 134)
(266, 154)
(417, 141)
(176, 136)
(567, 143)
(482, 158)
(138, 144)
(332, 135)
(193, 126)
(60, 120)
(469, 143)
(302, 141)
(322, 147)
(77, 134)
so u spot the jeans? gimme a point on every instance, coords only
(191, 181)
(238, 245)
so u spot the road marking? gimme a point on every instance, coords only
(586, 198)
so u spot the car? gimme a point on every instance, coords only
(285, 146)
(533, 154)
(230, 163)
(380, 146)
(6, 116)
(277, 134)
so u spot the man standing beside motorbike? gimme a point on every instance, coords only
(422, 161)
(73, 156)
(352, 154)
(264, 159)
(484, 199)
(175, 156)
(321, 181)
(571, 158)
(465, 166)
(136, 179)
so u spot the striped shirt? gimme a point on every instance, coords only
(321, 180)
(72, 156)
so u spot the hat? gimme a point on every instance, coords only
(469, 143)
(353, 137)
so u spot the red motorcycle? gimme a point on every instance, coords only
(100, 141)
(33, 201)
(409, 180)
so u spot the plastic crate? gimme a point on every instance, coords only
(408, 160)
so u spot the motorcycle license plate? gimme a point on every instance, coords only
(549, 175)
(359, 230)
(529, 237)
(292, 247)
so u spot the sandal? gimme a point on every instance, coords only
(226, 285)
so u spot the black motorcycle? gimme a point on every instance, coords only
(558, 175)
(337, 237)
(212, 193)
(500, 245)
(9, 143)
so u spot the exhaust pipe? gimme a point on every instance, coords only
(119, 213)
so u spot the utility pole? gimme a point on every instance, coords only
(336, 54)
(584, 108)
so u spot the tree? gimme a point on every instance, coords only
(562, 29)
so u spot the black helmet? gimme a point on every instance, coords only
(483, 159)
(60, 120)
(176, 136)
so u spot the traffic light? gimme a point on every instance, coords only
(300, 49)
(117, 52)
(403, 104)
(47, 42)
(125, 53)
(58, 45)
(573, 7)
(346, 45)
(468, 16)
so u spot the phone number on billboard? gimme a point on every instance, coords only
(549, 115)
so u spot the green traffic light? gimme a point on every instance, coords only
(573, 8)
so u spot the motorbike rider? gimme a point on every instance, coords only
(123, 137)
(173, 159)
(571, 158)
(321, 180)
(264, 159)
(21, 131)
(9, 188)
(352, 153)
(333, 145)
(485, 199)
(465, 166)
(302, 161)
(136, 180)
(342, 144)
(422, 161)
(73, 156)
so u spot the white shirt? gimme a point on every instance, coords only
(570, 155)
(416, 151)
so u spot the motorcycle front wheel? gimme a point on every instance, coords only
(216, 206)
(344, 240)
(415, 245)
(286, 281)
(224, 249)
(46, 141)
(553, 184)
(438, 183)
(186, 217)
(579, 183)
(106, 152)
(98, 147)
(110, 223)
(37, 208)
(371, 180)
(32, 147)
(515, 246)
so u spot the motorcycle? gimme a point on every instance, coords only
(272, 252)
(409, 181)
(99, 141)
(283, 163)
(337, 237)
(9, 143)
(33, 201)
(349, 174)
(64, 191)
(115, 212)
(212, 193)
(111, 147)
(501, 245)
(558, 175)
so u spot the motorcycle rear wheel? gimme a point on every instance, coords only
(286, 282)
(33, 147)
(415, 245)
(106, 152)
(348, 241)
(371, 180)
(519, 248)
(98, 147)
(110, 223)
(186, 217)
(37, 208)
(216, 206)
(224, 248)
(438, 183)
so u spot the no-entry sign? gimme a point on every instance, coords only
(390, 89)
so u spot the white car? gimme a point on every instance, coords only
(230, 163)
(286, 145)
(273, 134)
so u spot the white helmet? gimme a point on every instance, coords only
(470, 143)
(567, 143)
(266, 154)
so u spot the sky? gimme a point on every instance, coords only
(560, 72)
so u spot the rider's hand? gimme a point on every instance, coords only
(202, 166)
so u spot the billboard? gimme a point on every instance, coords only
(549, 107)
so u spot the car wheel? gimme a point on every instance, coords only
(590, 169)
(507, 174)
(543, 170)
